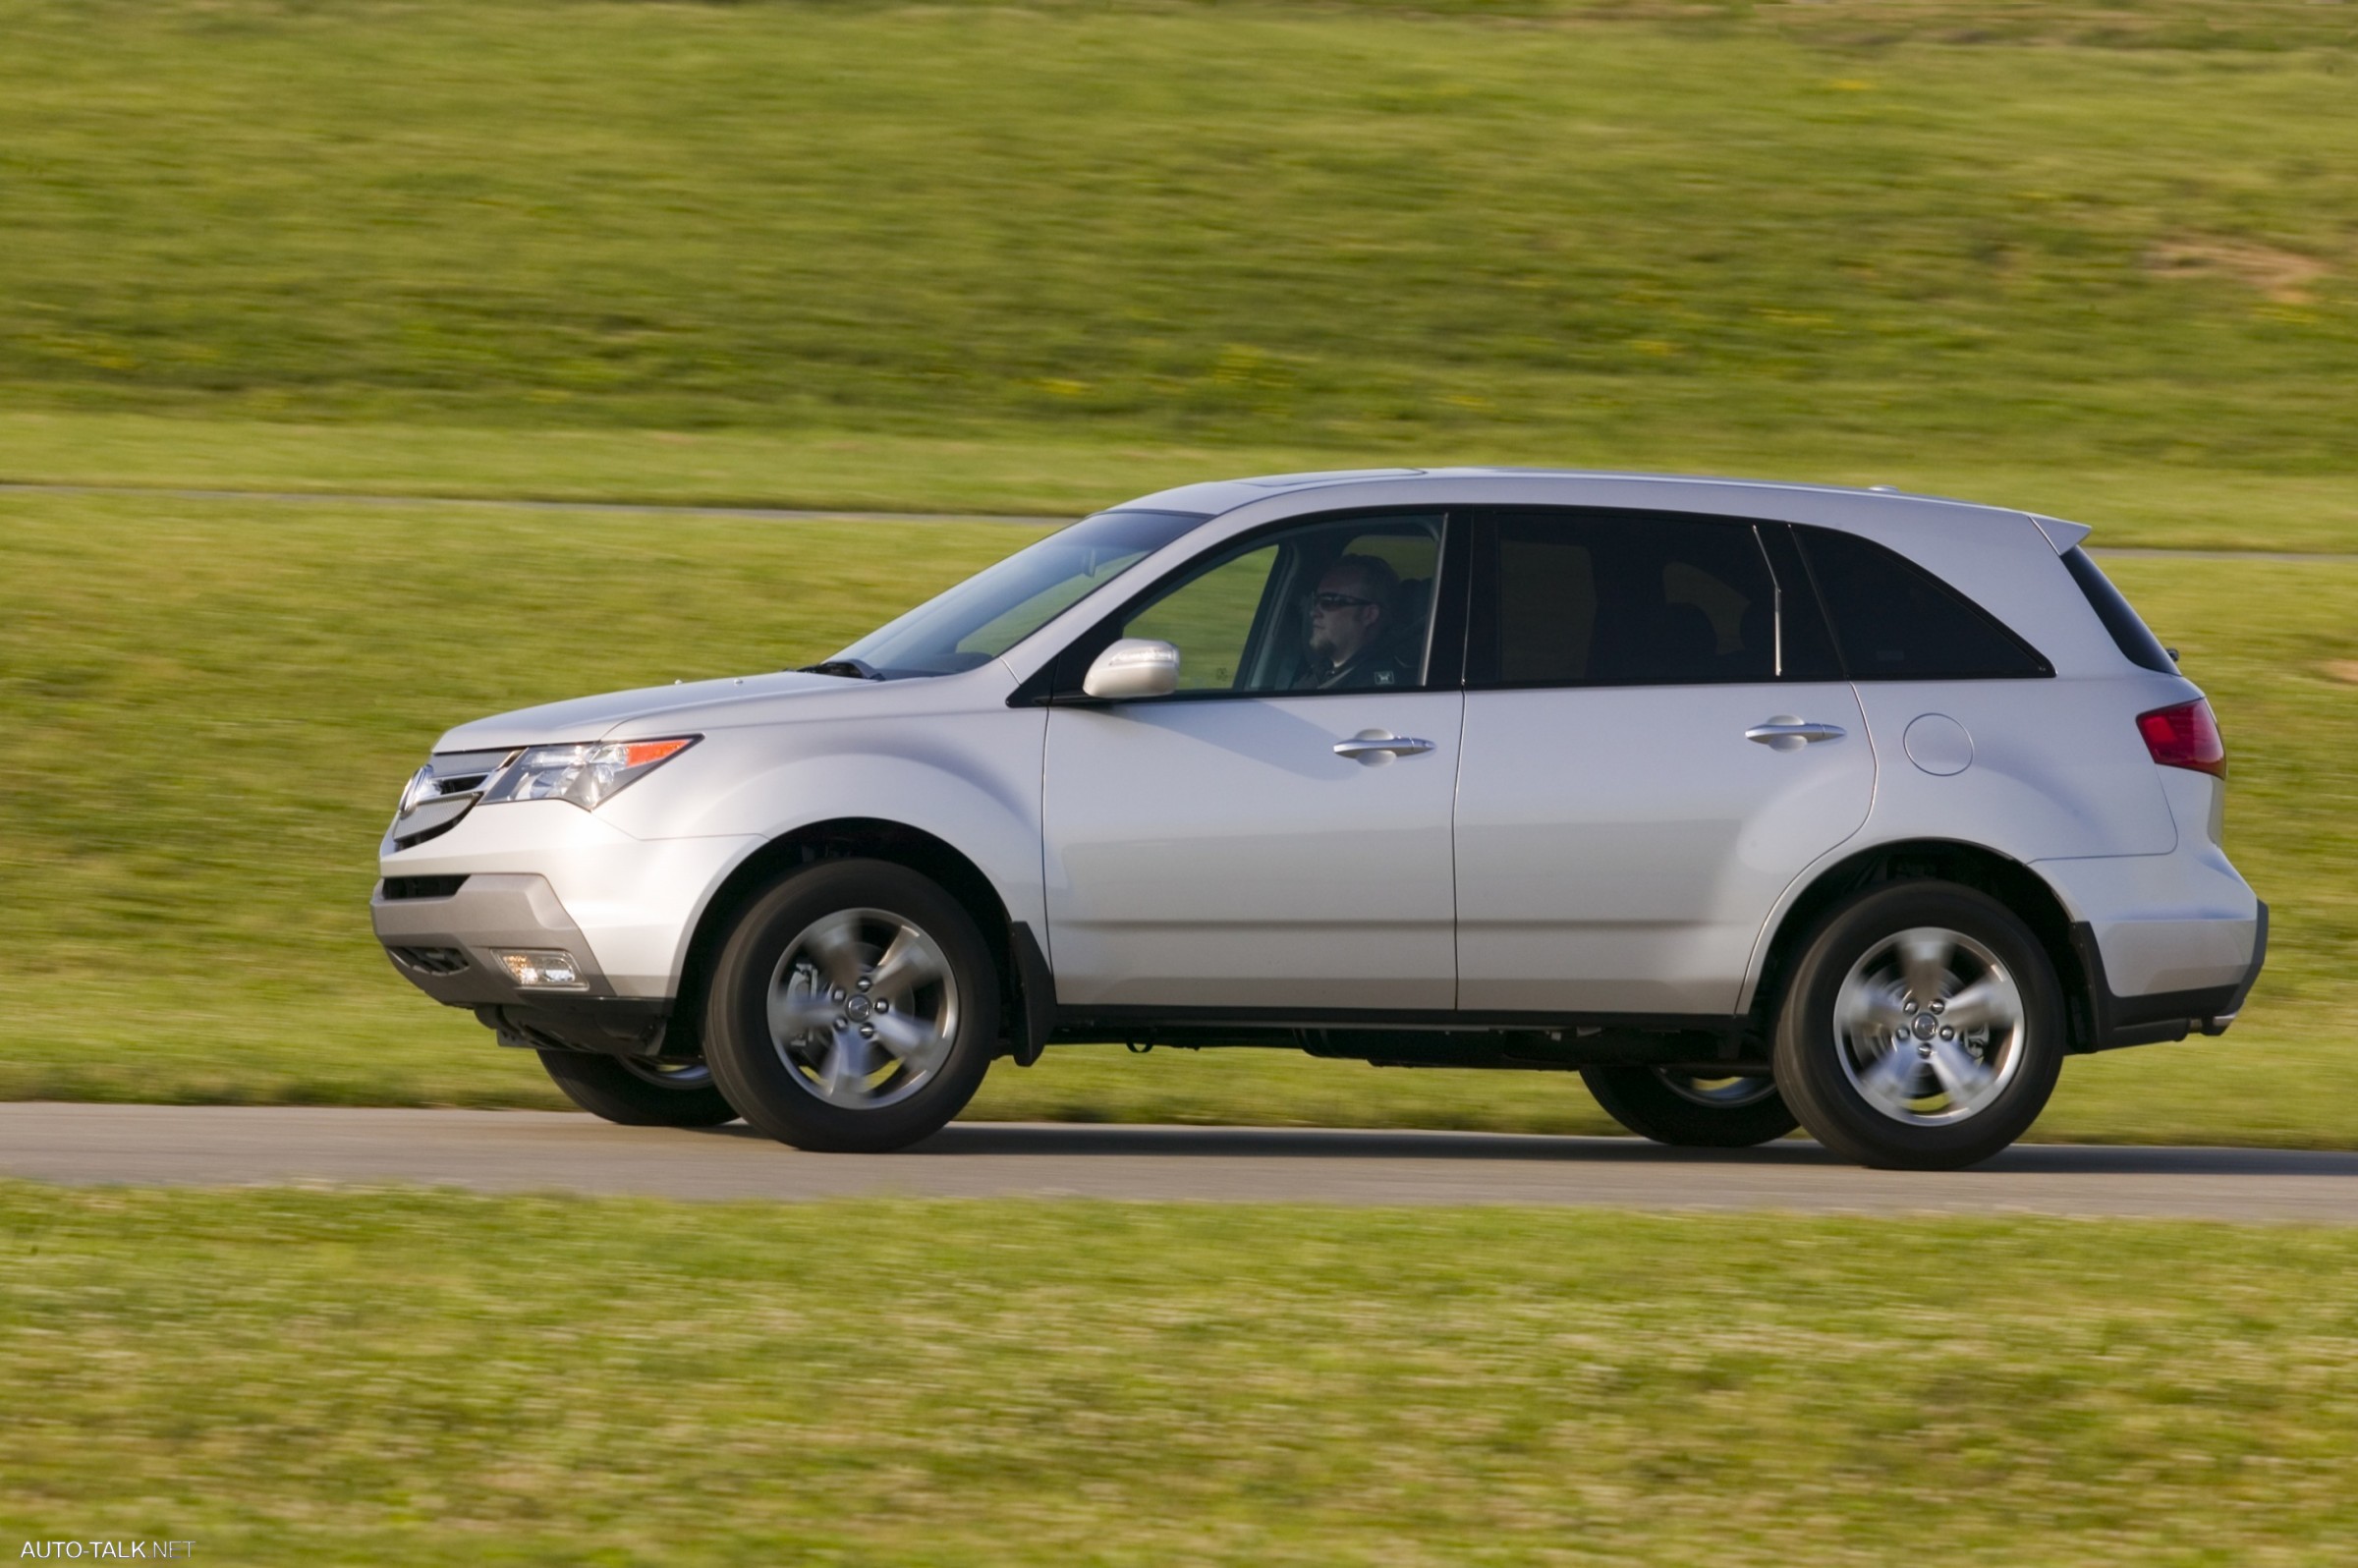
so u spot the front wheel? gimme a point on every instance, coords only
(1691, 1113)
(855, 1008)
(1922, 1029)
(640, 1093)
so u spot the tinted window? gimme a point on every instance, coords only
(1806, 645)
(1336, 606)
(1894, 621)
(1620, 599)
(2137, 642)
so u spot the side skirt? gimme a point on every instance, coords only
(1705, 1043)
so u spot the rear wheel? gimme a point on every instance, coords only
(855, 1008)
(1922, 1029)
(1692, 1113)
(640, 1093)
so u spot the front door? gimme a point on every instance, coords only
(1213, 849)
(1653, 753)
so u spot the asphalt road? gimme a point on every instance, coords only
(547, 1151)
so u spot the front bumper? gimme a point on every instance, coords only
(444, 935)
(634, 900)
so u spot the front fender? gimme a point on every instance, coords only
(971, 779)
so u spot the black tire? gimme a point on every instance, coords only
(1690, 1112)
(1863, 1102)
(672, 1095)
(813, 945)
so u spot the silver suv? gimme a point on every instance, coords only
(1753, 804)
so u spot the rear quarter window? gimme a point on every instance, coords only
(1894, 621)
(2136, 639)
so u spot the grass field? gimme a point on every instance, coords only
(1046, 474)
(1838, 239)
(414, 1378)
(293, 1378)
(2094, 258)
(219, 702)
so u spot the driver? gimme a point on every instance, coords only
(1350, 622)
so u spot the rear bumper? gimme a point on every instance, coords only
(2166, 945)
(444, 935)
(2111, 1020)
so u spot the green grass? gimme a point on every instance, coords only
(2089, 258)
(1850, 237)
(214, 706)
(1051, 474)
(2092, 258)
(290, 1377)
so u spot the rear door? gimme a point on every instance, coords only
(1212, 850)
(1653, 751)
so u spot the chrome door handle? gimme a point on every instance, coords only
(1374, 747)
(1785, 733)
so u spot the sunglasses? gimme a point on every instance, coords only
(1337, 601)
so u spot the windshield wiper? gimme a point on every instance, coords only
(849, 669)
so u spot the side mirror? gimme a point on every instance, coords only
(1134, 666)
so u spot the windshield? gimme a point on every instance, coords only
(992, 612)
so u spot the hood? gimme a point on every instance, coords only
(591, 718)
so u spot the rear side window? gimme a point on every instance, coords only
(1894, 621)
(2137, 642)
(1605, 599)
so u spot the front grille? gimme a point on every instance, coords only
(461, 771)
(429, 960)
(422, 886)
(444, 792)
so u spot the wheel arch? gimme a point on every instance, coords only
(2011, 881)
(842, 838)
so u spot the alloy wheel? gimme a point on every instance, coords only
(1722, 1094)
(863, 1008)
(1928, 1026)
(670, 1073)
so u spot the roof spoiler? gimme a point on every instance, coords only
(2060, 534)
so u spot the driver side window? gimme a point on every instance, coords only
(1210, 619)
(1338, 605)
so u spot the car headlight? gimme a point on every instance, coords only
(587, 775)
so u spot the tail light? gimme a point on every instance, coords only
(2185, 736)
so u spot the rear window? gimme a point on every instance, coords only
(1894, 621)
(2138, 645)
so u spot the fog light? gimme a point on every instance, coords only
(543, 969)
